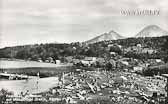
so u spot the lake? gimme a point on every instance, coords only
(18, 86)
(33, 67)
(7, 64)
(48, 71)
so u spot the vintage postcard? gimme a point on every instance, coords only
(83, 52)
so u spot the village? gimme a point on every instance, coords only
(84, 52)
(112, 79)
(97, 86)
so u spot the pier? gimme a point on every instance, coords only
(15, 76)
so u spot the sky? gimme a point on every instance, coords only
(63, 21)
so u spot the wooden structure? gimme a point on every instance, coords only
(15, 76)
(166, 88)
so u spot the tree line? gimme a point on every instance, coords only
(78, 50)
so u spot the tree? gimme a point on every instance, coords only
(116, 49)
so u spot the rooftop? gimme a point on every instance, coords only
(165, 75)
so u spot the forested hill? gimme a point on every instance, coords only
(151, 42)
(59, 51)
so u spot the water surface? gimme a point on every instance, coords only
(35, 85)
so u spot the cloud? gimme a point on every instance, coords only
(35, 21)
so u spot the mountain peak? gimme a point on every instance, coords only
(152, 27)
(152, 31)
(112, 35)
(112, 31)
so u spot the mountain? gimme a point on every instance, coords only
(152, 31)
(112, 35)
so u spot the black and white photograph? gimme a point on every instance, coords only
(83, 52)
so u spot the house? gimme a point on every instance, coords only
(125, 63)
(139, 45)
(138, 69)
(86, 63)
(39, 60)
(50, 59)
(90, 58)
(149, 51)
(119, 46)
(74, 48)
(57, 62)
(158, 60)
(112, 62)
(47, 61)
(110, 45)
(100, 60)
(69, 59)
(76, 61)
(112, 53)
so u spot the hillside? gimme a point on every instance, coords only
(100, 49)
(152, 31)
(112, 35)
